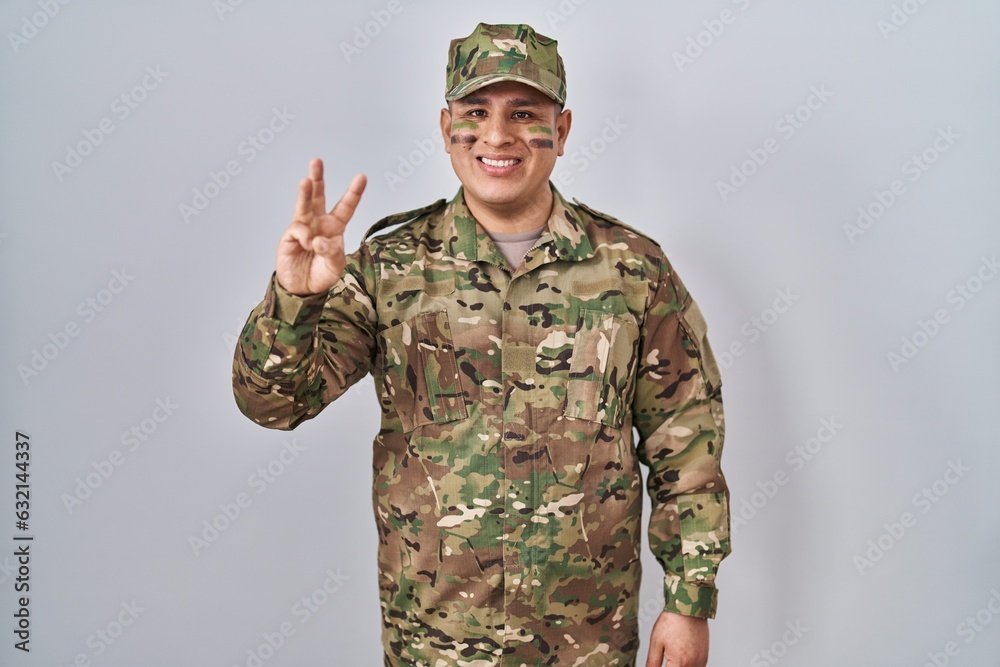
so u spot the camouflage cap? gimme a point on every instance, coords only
(505, 52)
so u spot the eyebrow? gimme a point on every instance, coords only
(481, 100)
(471, 100)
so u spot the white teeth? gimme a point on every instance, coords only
(498, 163)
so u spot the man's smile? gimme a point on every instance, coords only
(499, 166)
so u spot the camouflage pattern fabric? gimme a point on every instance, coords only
(506, 489)
(504, 53)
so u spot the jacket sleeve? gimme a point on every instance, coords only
(298, 354)
(677, 410)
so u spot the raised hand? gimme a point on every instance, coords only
(311, 251)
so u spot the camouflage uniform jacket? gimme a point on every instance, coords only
(506, 490)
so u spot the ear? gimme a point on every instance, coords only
(563, 122)
(446, 129)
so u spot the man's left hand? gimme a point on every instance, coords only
(682, 640)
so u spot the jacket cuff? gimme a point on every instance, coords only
(689, 598)
(292, 309)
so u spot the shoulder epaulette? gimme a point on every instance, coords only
(609, 218)
(397, 218)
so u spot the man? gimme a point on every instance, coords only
(515, 340)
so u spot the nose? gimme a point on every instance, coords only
(497, 132)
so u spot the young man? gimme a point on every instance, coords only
(515, 340)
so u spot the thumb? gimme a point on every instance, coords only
(321, 246)
(330, 251)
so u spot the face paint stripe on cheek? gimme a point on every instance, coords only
(540, 128)
(541, 143)
(464, 139)
(465, 125)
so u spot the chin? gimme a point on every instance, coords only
(493, 194)
(498, 196)
(497, 193)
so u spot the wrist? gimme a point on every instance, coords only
(293, 308)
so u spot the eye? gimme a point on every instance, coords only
(522, 115)
(478, 113)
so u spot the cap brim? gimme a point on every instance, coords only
(478, 82)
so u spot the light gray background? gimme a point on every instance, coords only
(170, 333)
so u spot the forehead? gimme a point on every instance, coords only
(505, 93)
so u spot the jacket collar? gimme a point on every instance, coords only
(564, 238)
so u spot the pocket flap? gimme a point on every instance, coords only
(419, 283)
(704, 534)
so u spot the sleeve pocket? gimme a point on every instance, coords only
(704, 527)
(697, 329)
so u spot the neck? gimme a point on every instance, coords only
(519, 216)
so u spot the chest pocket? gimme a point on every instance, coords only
(605, 351)
(420, 377)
